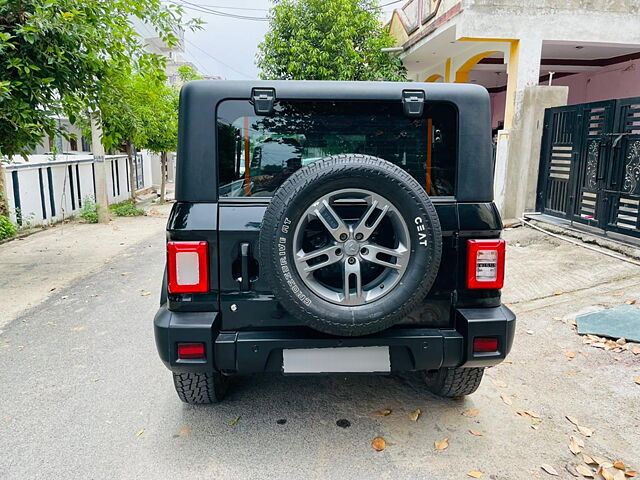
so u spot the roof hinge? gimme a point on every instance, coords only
(263, 100)
(413, 102)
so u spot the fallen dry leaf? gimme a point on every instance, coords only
(631, 302)
(470, 413)
(549, 469)
(573, 420)
(608, 473)
(528, 414)
(584, 471)
(414, 415)
(588, 460)
(475, 474)
(379, 444)
(637, 380)
(144, 294)
(442, 444)
(575, 445)
(477, 433)
(78, 329)
(586, 431)
(601, 460)
(631, 473)
(139, 432)
(572, 322)
(506, 399)
(635, 349)
(570, 355)
(499, 383)
(382, 413)
(559, 292)
(621, 341)
(619, 465)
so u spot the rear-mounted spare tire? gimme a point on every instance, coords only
(351, 243)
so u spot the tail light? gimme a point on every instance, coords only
(485, 344)
(191, 351)
(188, 267)
(485, 263)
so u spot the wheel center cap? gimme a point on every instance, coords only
(351, 247)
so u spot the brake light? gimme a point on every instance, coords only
(190, 351)
(485, 344)
(188, 267)
(485, 263)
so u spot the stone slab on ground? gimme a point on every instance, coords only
(622, 321)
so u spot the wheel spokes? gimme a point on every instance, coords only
(359, 270)
(352, 275)
(362, 228)
(330, 252)
(373, 250)
(332, 221)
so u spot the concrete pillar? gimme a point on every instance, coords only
(102, 199)
(523, 70)
(156, 171)
(522, 180)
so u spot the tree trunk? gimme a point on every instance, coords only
(132, 176)
(4, 204)
(163, 176)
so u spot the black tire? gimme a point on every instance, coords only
(453, 382)
(333, 174)
(200, 388)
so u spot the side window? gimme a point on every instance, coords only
(256, 154)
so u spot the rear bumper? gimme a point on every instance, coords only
(246, 352)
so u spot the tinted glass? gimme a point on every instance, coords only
(257, 154)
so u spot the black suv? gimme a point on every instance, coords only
(333, 227)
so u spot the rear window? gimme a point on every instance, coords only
(256, 154)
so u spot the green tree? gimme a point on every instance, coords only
(157, 114)
(327, 40)
(56, 57)
(128, 109)
(118, 116)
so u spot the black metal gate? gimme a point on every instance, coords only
(590, 165)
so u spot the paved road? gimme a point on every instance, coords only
(83, 394)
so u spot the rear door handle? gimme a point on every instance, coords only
(244, 267)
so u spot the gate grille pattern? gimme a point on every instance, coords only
(590, 165)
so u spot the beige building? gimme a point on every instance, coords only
(529, 54)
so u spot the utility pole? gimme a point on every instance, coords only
(102, 200)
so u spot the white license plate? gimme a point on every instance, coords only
(337, 360)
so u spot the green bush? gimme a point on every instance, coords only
(126, 209)
(89, 212)
(7, 229)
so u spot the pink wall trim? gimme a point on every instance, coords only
(621, 80)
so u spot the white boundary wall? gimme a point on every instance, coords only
(47, 191)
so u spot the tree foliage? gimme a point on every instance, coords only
(327, 40)
(58, 56)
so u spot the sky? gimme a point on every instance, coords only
(227, 46)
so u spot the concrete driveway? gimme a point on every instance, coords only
(83, 394)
